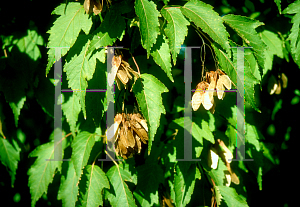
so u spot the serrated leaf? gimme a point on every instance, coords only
(121, 196)
(42, 171)
(68, 188)
(96, 111)
(71, 109)
(218, 175)
(9, 157)
(231, 197)
(184, 182)
(230, 67)
(16, 109)
(218, 195)
(294, 8)
(252, 136)
(96, 181)
(273, 42)
(81, 148)
(149, 25)
(226, 64)
(251, 64)
(245, 28)
(112, 27)
(161, 55)
(148, 90)
(249, 82)
(150, 176)
(176, 29)
(66, 28)
(278, 3)
(208, 20)
(275, 47)
(197, 132)
(80, 69)
(27, 44)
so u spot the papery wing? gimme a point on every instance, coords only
(116, 61)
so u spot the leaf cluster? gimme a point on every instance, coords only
(153, 37)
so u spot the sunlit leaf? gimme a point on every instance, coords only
(71, 110)
(81, 149)
(208, 20)
(184, 182)
(149, 25)
(245, 28)
(68, 189)
(121, 196)
(294, 8)
(111, 28)
(231, 197)
(66, 28)
(148, 92)
(42, 171)
(9, 157)
(96, 181)
(176, 29)
(161, 55)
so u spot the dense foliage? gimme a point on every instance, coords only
(148, 66)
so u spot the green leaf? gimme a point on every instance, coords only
(176, 29)
(251, 64)
(150, 175)
(249, 81)
(149, 25)
(96, 111)
(245, 28)
(259, 178)
(218, 195)
(278, 3)
(66, 28)
(226, 64)
(197, 132)
(218, 175)
(208, 20)
(257, 155)
(42, 171)
(29, 45)
(71, 109)
(230, 69)
(9, 157)
(184, 182)
(120, 195)
(81, 148)
(275, 47)
(252, 136)
(294, 8)
(68, 188)
(96, 181)
(80, 69)
(112, 27)
(148, 90)
(22, 60)
(16, 108)
(161, 55)
(231, 197)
